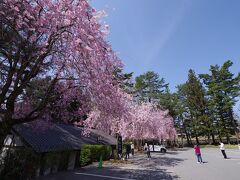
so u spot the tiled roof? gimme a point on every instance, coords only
(59, 137)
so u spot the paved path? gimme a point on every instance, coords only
(179, 164)
(214, 168)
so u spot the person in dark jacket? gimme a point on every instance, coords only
(128, 150)
(148, 152)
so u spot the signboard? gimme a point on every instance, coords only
(119, 144)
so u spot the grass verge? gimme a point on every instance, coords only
(227, 146)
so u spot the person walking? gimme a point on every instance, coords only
(148, 152)
(198, 153)
(222, 148)
(132, 149)
(145, 147)
(128, 150)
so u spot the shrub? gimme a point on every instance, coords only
(92, 153)
(106, 153)
(85, 157)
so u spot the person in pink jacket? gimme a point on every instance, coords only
(198, 153)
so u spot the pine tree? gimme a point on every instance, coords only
(196, 104)
(169, 101)
(223, 88)
(182, 121)
(149, 86)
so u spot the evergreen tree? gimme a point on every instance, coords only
(124, 80)
(182, 121)
(223, 88)
(196, 104)
(171, 102)
(149, 86)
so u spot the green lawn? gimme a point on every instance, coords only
(228, 146)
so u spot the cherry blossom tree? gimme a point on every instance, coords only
(109, 117)
(64, 39)
(58, 38)
(147, 122)
(137, 122)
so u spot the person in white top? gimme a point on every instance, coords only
(145, 147)
(132, 149)
(223, 150)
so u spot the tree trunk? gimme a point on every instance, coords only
(228, 139)
(139, 145)
(220, 138)
(197, 141)
(188, 139)
(213, 139)
(182, 138)
(140, 141)
(196, 135)
(208, 137)
(187, 136)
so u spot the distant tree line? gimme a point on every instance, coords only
(201, 107)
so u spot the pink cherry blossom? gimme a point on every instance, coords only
(68, 35)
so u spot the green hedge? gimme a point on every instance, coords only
(92, 153)
(85, 157)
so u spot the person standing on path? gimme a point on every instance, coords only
(145, 147)
(198, 153)
(128, 150)
(223, 150)
(148, 152)
(132, 149)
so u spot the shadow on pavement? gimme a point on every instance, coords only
(155, 162)
(138, 168)
(138, 174)
(184, 149)
(133, 174)
(172, 152)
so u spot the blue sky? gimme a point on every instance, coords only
(172, 36)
